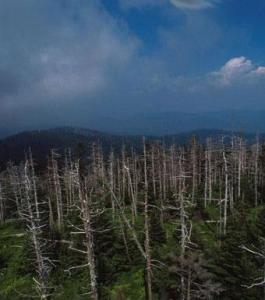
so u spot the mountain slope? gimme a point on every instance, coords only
(41, 142)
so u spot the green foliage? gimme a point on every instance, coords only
(15, 267)
(130, 286)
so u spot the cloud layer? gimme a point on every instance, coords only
(65, 63)
(193, 4)
(58, 51)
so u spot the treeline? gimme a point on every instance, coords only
(164, 223)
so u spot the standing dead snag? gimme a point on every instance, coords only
(14, 180)
(145, 251)
(153, 170)
(240, 163)
(194, 160)
(146, 230)
(259, 253)
(256, 169)
(111, 179)
(68, 180)
(56, 186)
(32, 215)
(89, 243)
(208, 173)
(34, 186)
(131, 193)
(128, 224)
(225, 200)
(185, 229)
(84, 207)
(2, 205)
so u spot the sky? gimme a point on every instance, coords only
(66, 62)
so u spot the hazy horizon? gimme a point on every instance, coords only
(158, 123)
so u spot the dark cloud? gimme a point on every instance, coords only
(57, 51)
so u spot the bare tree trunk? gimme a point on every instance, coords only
(111, 179)
(69, 180)
(33, 178)
(89, 243)
(206, 179)
(239, 169)
(123, 172)
(226, 190)
(194, 168)
(209, 157)
(134, 204)
(146, 230)
(161, 197)
(164, 174)
(153, 171)
(183, 227)
(256, 170)
(85, 208)
(32, 215)
(57, 190)
(2, 205)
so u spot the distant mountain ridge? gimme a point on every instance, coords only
(166, 123)
(13, 148)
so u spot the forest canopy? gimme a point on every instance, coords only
(176, 222)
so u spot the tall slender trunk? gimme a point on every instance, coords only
(256, 171)
(226, 191)
(183, 228)
(146, 230)
(57, 190)
(2, 205)
(34, 228)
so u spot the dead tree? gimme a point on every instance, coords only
(56, 187)
(68, 178)
(258, 253)
(153, 170)
(131, 193)
(225, 200)
(16, 189)
(240, 163)
(185, 228)
(256, 169)
(194, 161)
(33, 179)
(86, 214)
(2, 204)
(208, 173)
(112, 179)
(32, 215)
(146, 229)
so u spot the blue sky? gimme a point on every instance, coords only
(65, 62)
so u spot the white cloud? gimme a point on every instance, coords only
(260, 71)
(193, 4)
(237, 69)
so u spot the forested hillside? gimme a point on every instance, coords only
(41, 142)
(160, 222)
